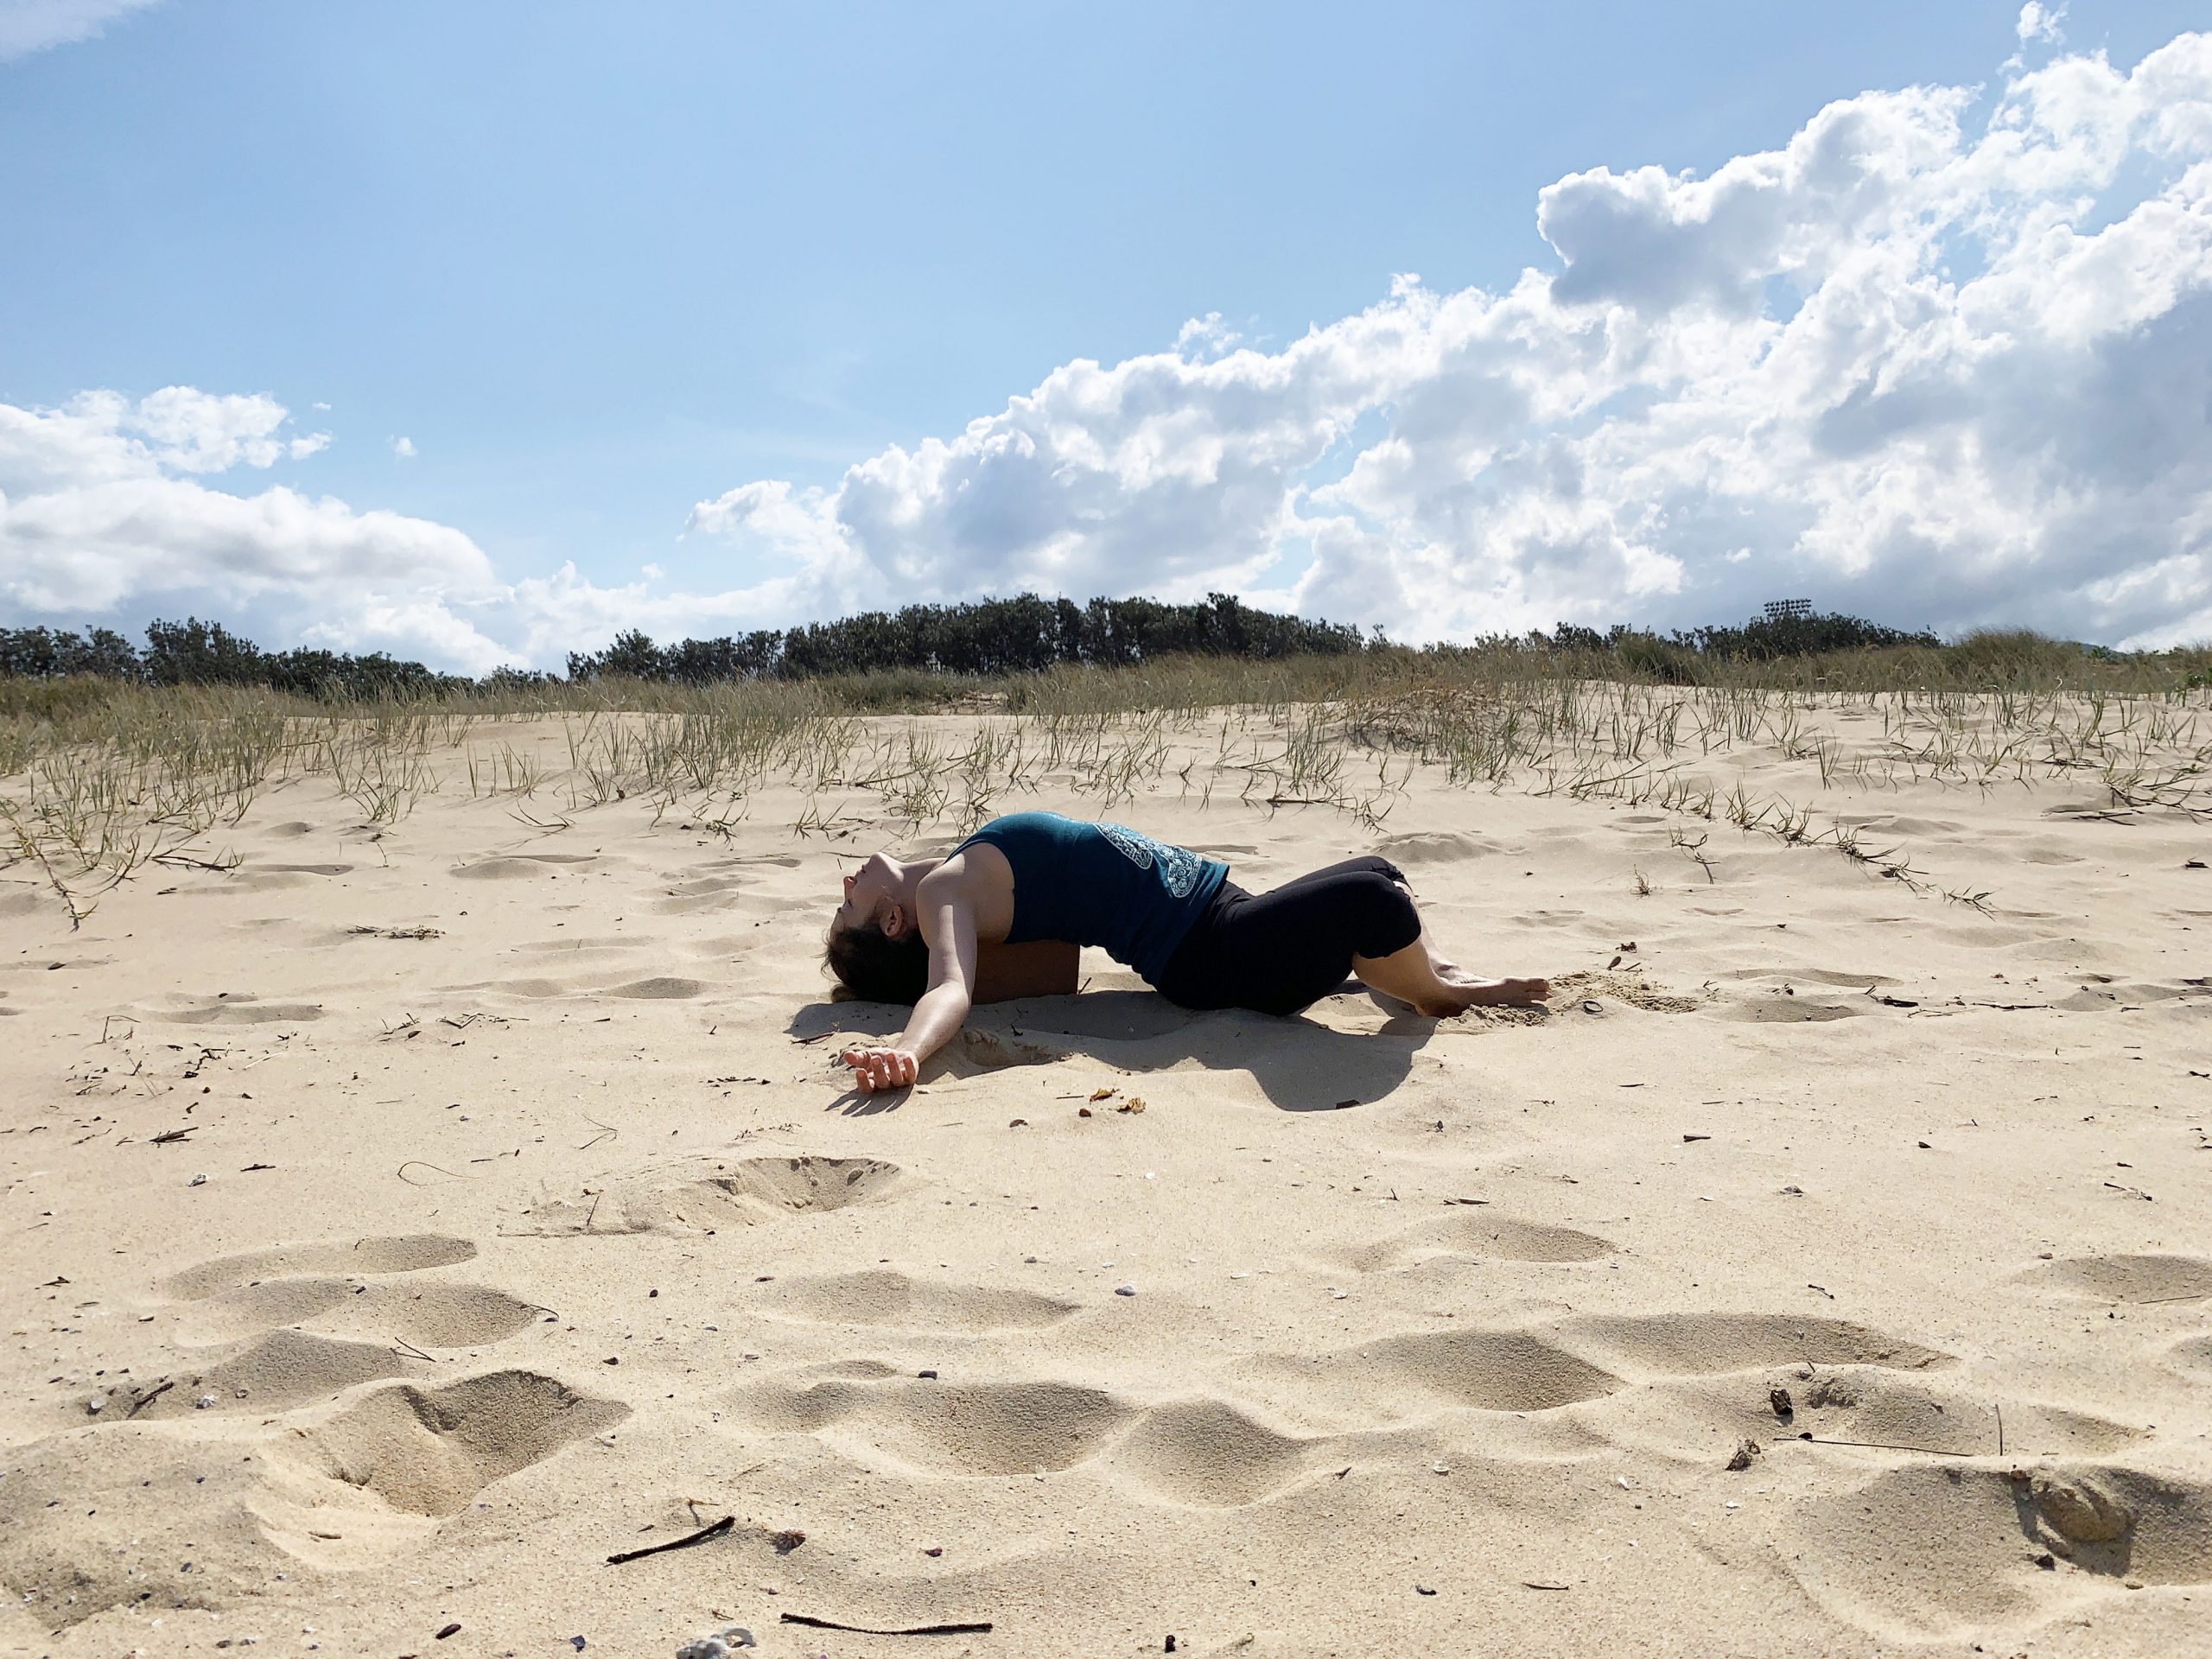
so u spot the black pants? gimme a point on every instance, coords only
(1277, 952)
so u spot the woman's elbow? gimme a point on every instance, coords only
(949, 997)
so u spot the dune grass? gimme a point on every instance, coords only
(98, 779)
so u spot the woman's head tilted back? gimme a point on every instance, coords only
(874, 947)
(875, 968)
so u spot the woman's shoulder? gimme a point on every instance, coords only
(1019, 826)
(977, 874)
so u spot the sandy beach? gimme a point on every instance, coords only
(407, 1217)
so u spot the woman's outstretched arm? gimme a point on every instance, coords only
(948, 924)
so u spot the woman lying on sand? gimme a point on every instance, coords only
(908, 932)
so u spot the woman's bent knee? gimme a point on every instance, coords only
(1390, 920)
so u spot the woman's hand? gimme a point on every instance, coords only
(880, 1068)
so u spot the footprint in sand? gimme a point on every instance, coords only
(988, 1050)
(2141, 1279)
(1207, 1452)
(1544, 1369)
(239, 1317)
(429, 1451)
(1843, 977)
(665, 988)
(344, 1474)
(1698, 1345)
(155, 1516)
(583, 947)
(1434, 846)
(409, 1254)
(2106, 996)
(2192, 1357)
(1468, 1234)
(536, 990)
(699, 1196)
(1902, 1408)
(1781, 1009)
(884, 1297)
(1886, 823)
(520, 866)
(700, 894)
(923, 1426)
(241, 1009)
(1393, 1378)
(265, 878)
(1199, 1451)
(1930, 1553)
(272, 1372)
(662, 988)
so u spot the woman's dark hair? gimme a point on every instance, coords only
(876, 968)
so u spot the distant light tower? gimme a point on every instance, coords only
(1781, 610)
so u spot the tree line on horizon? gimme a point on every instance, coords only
(988, 639)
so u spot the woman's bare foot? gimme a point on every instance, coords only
(1467, 992)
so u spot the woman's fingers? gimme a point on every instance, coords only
(879, 1068)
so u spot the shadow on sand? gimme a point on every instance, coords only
(1301, 1065)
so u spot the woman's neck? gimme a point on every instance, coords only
(910, 881)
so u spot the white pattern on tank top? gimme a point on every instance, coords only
(1180, 868)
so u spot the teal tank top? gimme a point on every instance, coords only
(1102, 884)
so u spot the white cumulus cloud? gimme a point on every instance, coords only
(2040, 23)
(403, 446)
(1942, 357)
(103, 513)
(28, 26)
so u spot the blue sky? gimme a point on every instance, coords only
(603, 266)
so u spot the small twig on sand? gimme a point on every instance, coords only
(187, 862)
(684, 1543)
(981, 1627)
(417, 1163)
(607, 1131)
(147, 1399)
(400, 1344)
(1886, 1446)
